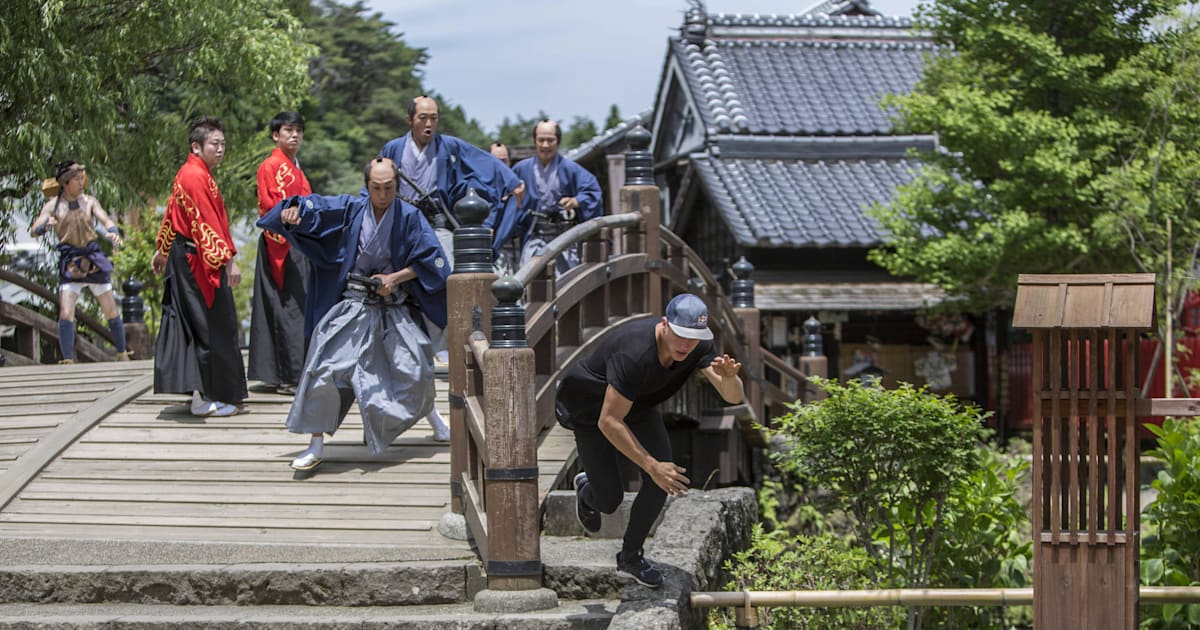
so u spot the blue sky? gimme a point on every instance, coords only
(565, 57)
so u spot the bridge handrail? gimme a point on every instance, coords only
(536, 266)
(81, 316)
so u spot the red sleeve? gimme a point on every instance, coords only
(278, 179)
(197, 212)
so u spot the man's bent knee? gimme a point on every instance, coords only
(606, 502)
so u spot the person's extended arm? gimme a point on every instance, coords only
(44, 221)
(723, 374)
(111, 232)
(666, 475)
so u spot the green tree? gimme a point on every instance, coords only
(114, 83)
(363, 79)
(614, 117)
(579, 131)
(519, 131)
(1036, 105)
(1149, 201)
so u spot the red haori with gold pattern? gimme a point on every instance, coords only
(196, 211)
(278, 179)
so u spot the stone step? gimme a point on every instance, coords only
(575, 568)
(570, 615)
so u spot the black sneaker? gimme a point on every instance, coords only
(589, 517)
(633, 565)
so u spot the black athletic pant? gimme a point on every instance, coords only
(606, 489)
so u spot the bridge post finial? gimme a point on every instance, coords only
(133, 308)
(741, 293)
(472, 241)
(508, 318)
(813, 344)
(641, 195)
(813, 361)
(639, 164)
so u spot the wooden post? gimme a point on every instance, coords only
(1085, 450)
(741, 295)
(468, 298)
(510, 490)
(641, 195)
(813, 361)
(137, 337)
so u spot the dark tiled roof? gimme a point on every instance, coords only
(796, 86)
(609, 137)
(801, 203)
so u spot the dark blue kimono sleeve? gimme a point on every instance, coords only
(511, 223)
(587, 191)
(322, 225)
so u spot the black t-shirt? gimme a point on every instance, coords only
(628, 360)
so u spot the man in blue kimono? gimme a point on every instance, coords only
(561, 194)
(366, 343)
(446, 167)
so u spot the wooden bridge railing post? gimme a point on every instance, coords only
(137, 337)
(513, 561)
(741, 295)
(641, 195)
(468, 298)
(813, 361)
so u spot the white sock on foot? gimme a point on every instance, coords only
(441, 432)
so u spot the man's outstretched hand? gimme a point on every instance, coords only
(725, 366)
(669, 477)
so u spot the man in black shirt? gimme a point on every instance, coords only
(610, 400)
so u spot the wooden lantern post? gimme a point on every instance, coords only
(1086, 330)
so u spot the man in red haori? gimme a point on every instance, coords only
(197, 348)
(277, 341)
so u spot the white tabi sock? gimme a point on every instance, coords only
(441, 432)
(316, 446)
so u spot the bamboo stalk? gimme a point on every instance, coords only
(914, 597)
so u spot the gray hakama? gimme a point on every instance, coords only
(370, 349)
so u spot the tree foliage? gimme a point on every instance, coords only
(1170, 548)
(114, 83)
(363, 78)
(1052, 126)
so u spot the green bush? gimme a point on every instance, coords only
(132, 260)
(1170, 545)
(928, 505)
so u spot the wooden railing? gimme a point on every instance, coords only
(511, 339)
(32, 326)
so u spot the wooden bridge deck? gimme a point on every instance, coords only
(88, 451)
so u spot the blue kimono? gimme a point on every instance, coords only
(328, 235)
(364, 347)
(461, 166)
(573, 181)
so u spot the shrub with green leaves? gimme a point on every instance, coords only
(931, 506)
(1170, 545)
